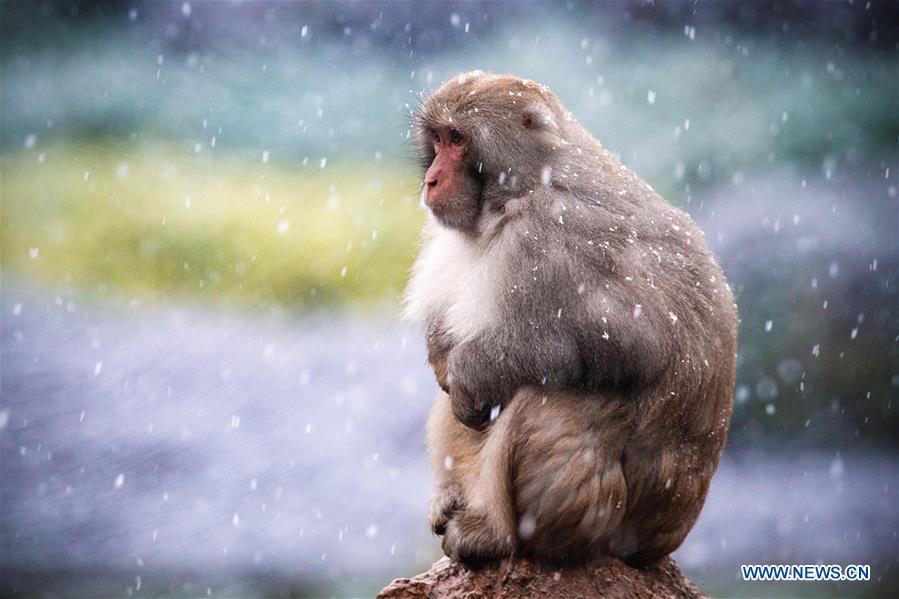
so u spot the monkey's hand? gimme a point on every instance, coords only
(467, 410)
(477, 392)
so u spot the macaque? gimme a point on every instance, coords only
(582, 332)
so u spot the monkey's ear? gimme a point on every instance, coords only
(537, 117)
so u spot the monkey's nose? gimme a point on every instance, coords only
(431, 183)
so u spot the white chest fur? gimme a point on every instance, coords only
(455, 279)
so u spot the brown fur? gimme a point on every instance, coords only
(603, 335)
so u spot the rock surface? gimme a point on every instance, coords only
(522, 578)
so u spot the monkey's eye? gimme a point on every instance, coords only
(436, 137)
(455, 137)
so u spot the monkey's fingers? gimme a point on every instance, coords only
(446, 503)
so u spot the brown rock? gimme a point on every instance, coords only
(522, 578)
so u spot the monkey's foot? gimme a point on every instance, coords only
(446, 503)
(473, 540)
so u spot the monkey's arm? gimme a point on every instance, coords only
(439, 346)
(567, 348)
(485, 372)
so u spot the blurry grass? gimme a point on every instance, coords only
(156, 219)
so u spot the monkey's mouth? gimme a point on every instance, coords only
(436, 198)
(436, 203)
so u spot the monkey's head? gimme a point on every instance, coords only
(483, 139)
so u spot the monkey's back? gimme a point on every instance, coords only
(633, 283)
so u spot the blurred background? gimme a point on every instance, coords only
(209, 211)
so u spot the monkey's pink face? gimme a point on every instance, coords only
(441, 180)
(450, 191)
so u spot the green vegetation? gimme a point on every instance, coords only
(156, 220)
(687, 112)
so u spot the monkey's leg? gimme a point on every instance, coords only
(667, 485)
(452, 449)
(472, 506)
(569, 486)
